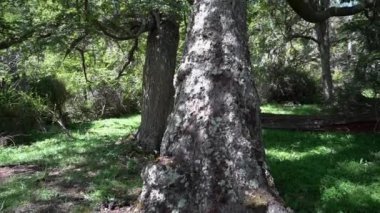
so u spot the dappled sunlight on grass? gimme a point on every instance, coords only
(92, 165)
(297, 155)
(351, 195)
(324, 172)
(291, 109)
(314, 172)
(305, 142)
(60, 147)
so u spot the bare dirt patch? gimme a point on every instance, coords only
(7, 172)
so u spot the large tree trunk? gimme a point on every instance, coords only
(160, 64)
(323, 36)
(212, 157)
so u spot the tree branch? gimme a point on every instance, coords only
(305, 9)
(129, 58)
(84, 67)
(42, 30)
(143, 26)
(311, 38)
(74, 44)
(13, 40)
(125, 32)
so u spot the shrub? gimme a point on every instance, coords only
(20, 111)
(29, 103)
(104, 100)
(53, 91)
(112, 100)
(288, 85)
(108, 100)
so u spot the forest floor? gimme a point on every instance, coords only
(292, 109)
(99, 170)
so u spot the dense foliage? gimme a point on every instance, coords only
(284, 64)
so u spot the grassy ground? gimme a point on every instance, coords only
(314, 172)
(326, 172)
(95, 167)
(291, 109)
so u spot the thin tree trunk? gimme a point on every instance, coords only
(160, 64)
(212, 157)
(323, 35)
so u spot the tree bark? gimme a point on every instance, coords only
(323, 36)
(212, 157)
(158, 90)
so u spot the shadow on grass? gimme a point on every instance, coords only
(321, 172)
(97, 167)
(50, 132)
(31, 194)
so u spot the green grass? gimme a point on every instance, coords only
(326, 172)
(94, 164)
(314, 172)
(291, 109)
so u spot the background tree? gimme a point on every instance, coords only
(160, 63)
(323, 36)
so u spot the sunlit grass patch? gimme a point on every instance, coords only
(351, 195)
(325, 172)
(45, 194)
(92, 165)
(62, 149)
(291, 109)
